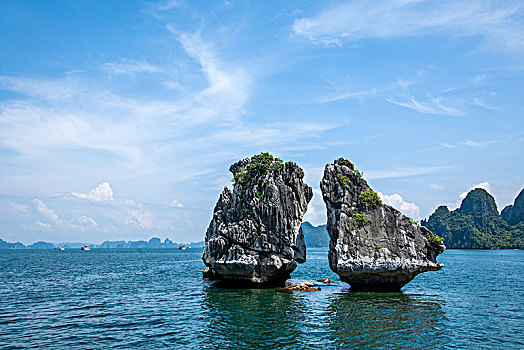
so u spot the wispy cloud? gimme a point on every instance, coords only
(400, 172)
(468, 143)
(436, 187)
(355, 94)
(500, 24)
(175, 204)
(433, 106)
(131, 67)
(49, 213)
(480, 102)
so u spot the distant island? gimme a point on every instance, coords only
(477, 224)
(315, 236)
(152, 243)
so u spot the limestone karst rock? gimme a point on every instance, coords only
(254, 237)
(373, 246)
(514, 214)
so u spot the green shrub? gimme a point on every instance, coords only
(370, 199)
(259, 164)
(344, 181)
(435, 239)
(413, 221)
(361, 174)
(259, 195)
(264, 221)
(242, 177)
(361, 220)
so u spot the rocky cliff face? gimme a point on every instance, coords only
(372, 246)
(254, 236)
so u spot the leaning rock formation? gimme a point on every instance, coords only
(254, 237)
(373, 247)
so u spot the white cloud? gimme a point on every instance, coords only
(101, 193)
(500, 24)
(142, 219)
(49, 213)
(43, 225)
(131, 67)
(169, 5)
(175, 204)
(473, 143)
(19, 207)
(316, 210)
(480, 102)
(87, 220)
(436, 187)
(396, 201)
(433, 106)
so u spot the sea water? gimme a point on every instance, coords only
(156, 298)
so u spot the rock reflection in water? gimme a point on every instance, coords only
(373, 320)
(251, 318)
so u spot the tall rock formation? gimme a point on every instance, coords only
(372, 246)
(254, 237)
(514, 214)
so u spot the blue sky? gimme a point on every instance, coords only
(118, 120)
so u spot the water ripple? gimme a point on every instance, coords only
(156, 298)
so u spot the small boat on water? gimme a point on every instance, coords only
(85, 247)
(60, 248)
(182, 247)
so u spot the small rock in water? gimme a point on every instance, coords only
(302, 287)
(326, 281)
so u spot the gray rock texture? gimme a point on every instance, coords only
(255, 237)
(373, 247)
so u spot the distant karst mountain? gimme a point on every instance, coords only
(152, 243)
(514, 214)
(478, 225)
(315, 236)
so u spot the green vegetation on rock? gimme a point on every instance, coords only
(361, 219)
(370, 199)
(344, 181)
(435, 239)
(242, 177)
(259, 164)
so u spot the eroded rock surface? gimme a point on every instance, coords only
(373, 246)
(254, 237)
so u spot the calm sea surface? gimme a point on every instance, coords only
(141, 298)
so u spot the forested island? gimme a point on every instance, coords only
(477, 224)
